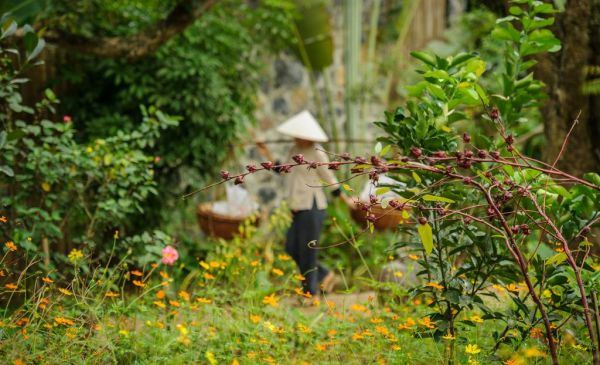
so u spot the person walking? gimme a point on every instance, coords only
(307, 199)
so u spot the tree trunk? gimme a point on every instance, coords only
(562, 72)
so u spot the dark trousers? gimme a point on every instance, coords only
(306, 228)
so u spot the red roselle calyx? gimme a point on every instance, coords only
(360, 160)
(373, 198)
(239, 180)
(481, 154)
(225, 174)
(422, 221)
(334, 165)
(515, 229)
(346, 156)
(251, 168)
(439, 154)
(371, 217)
(495, 155)
(267, 165)
(299, 158)
(494, 114)
(525, 229)
(466, 137)
(416, 151)
(376, 161)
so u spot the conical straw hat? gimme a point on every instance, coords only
(304, 126)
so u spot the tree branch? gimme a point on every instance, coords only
(138, 45)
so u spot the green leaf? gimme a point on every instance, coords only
(7, 170)
(437, 74)
(2, 138)
(426, 235)
(435, 198)
(378, 147)
(416, 177)
(382, 190)
(556, 259)
(424, 57)
(385, 150)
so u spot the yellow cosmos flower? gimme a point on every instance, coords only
(137, 273)
(204, 300)
(448, 336)
(65, 291)
(277, 272)
(75, 255)
(472, 349)
(284, 257)
(476, 319)
(159, 304)
(110, 294)
(301, 292)
(47, 280)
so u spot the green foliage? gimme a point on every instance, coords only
(195, 75)
(462, 259)
(61, 191)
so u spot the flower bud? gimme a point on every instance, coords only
(267, 165)
(225, 174)
(495, 155)
(239, 180)
(416, 151)
(299, 158)
(494, 114)
(251, 168)
(422, 221)
(466, 137)
(481, 154)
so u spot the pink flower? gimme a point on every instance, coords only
(67, 118)
(170, 255)
(157, 159)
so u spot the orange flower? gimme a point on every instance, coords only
(163, 274)
(63, 321)
(277, 272)
(255, 318)
(435, 285)
(10, 245)
(2, 273)
(427, 322)
(301, 292)
(184, 295)
(174, 303)
(3, 219)
(271, 300)
(44, 303)
(299, 277)
(138, 283)
(18, 361)
(137, 273)
(47, 280)
(208, 276)
(413, 257)
(284, 257)
(110, 294)
(204, 300)
(160, 294)
(10, 286)
(65, 291)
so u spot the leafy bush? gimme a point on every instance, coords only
(65, 193)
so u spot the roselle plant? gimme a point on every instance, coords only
(485, 217)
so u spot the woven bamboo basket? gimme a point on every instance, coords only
(387, 219)
(218, 225)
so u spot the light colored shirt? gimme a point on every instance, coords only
(305, 185)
